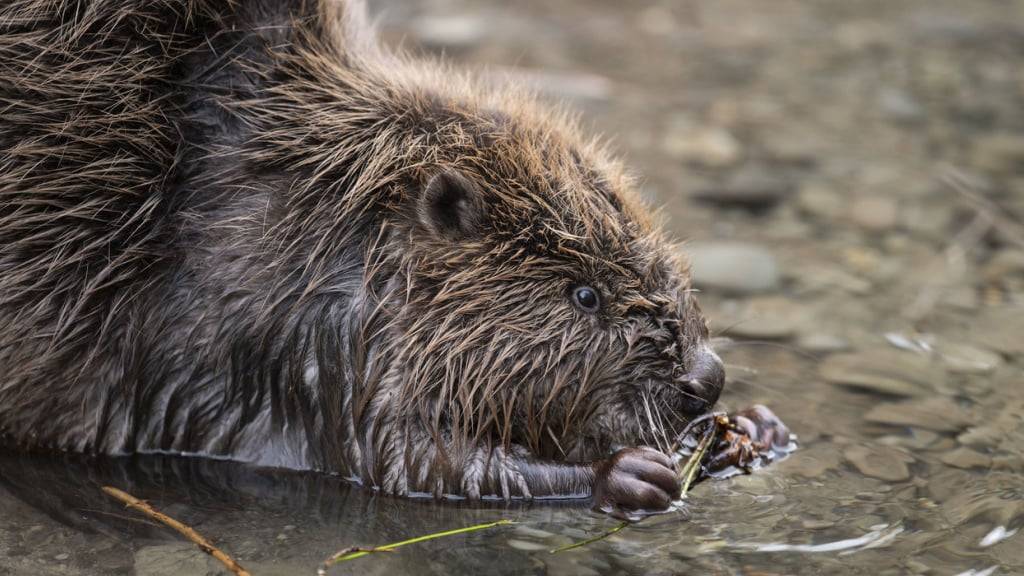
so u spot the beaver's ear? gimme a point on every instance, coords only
(451, 205)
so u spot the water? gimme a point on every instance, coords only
(867, 153)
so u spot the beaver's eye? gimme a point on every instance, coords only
(586, 298)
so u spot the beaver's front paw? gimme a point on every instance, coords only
(635, 479)
(763, 427)
(755, 436)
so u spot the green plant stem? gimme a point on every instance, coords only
(600, 536)
(343, 556)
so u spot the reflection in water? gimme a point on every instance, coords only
(881, 535)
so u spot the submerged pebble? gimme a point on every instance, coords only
(966, 458)
(936, 413)
(768, 318)
(967, 359)
(525, 545)
(733, 267)
(173, 560)
(883, 370)
(879, 462)
(711, 147)
(753, 189)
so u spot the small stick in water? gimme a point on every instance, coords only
(187, 532)
(600, 536)
(356, 552)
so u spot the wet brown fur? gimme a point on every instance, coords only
(213, 241)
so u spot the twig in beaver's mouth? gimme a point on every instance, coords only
(356, 552)
(689, 470)
(186, 531)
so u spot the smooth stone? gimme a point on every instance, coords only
(899, 106)
(558, 85)
(813, 464)
(1001, 154)
(449, 31)
(768, 318)
(531, 532)
(817, 524)
(920, 438)
(879, 462)
(928, 218)
(707, 146)
(998, 328)
(966, 458)
(821, 202)
(875, 212)
(821, 342)
(936, 413)
(733, 267)
(965, 359)
(883, 370)
(524, 545)
(985, 435)
(174, 559)
(753, 189)
(794, 146)
(1004, 263)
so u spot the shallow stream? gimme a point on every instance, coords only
(849, 177)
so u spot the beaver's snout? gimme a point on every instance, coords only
(703, 382)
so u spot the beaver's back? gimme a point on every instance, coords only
(101, 135)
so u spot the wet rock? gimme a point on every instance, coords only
(966, 458)
(899, 106)
(530, 532)
(811, 524)
(733, 267)
(821, 342)
(755, 189)
(916, 440)
(965, 359)
(1000, 154)
(525, 545)
(174, 559)
(984, 435)
(558, 85)
(883, 370)
(936, 413)
(963, 297)
(706, 146)
(813, 463)
(879, 462)
(875, 212)
(792, 146)
(1004, 263)
(657, 20)
(451, 32)
(768, 318)
(821, 201)
(999, 329)
(928, 219)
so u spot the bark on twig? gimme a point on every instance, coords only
(187, 532)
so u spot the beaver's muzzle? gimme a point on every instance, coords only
(703, 381)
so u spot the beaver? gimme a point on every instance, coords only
(247, 230)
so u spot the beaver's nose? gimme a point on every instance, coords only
(704, 379)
